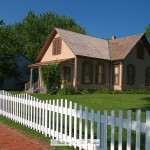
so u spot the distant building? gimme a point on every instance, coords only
(17, 83)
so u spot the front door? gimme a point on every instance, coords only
(67, 74)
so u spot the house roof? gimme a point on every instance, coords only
(120, 48)
(84, 45)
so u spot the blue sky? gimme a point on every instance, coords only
(100, 18)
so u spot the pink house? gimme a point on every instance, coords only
(93, 63)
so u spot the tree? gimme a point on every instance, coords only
(148, 32)
(33, 31)
(7, 53)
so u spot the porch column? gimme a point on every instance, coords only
(75, 72)
(31, 76)
(40, 76)
(121, 76)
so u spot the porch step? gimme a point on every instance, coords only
(30, 90)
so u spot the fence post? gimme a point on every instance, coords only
(147, 147)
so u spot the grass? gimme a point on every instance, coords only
(97, 102)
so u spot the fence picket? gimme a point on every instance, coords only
(75, 124)
(66, 115)
(147, 130)
(98, 129)
(70, 123)
(80, 127)
(46, 118)
(86, 129)
(43, 117)
(57, 120)
(53, 118)
(61, 120)
(49, 108)
(129, 117)
(105, 129)
(113, 130)
(120, 130)
(138, 129)
(92, 129)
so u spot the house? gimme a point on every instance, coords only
(17, 83)
(93, 63)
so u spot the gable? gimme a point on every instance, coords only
(66, 52)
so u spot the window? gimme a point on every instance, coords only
(100, 74)
(147, 76)
(140, 51)
(56, 46)
(67, 72)
(116, 74)
(87, 72)
(130, 74)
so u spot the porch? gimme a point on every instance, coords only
(68, 74)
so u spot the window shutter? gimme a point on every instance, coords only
(54, 47)
(59, 48)
(83, 73)
(104, 74)
(96, 74)
(91, 73)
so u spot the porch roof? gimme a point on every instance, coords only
(48, 62)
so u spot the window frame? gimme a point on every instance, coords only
(57, 43)
(118, 65)
(67, 70)
(146, 83)
(130, 76)
(84, 72)
(103, 74)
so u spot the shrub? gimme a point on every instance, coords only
(51, 77)
(67, 90)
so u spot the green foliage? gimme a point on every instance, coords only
(51, 77)
(67, 90)
(8, 48)
(33, 31)
(148, 32)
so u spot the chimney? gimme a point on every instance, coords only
(113, 37)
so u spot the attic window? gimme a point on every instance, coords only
(56, 46)
(140, 51)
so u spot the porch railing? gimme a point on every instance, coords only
(27, 86)
(36, 87)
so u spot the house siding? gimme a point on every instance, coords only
(66, 52)
(140, 66)
(93, 85)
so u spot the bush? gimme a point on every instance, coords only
(51, 77)
(67, 90)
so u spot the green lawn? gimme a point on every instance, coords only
(106, 102)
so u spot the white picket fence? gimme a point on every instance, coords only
(61, 121)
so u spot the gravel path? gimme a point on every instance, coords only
(13, 139)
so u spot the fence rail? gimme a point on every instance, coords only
(64, 120)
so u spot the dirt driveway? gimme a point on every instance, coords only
(13, 139)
